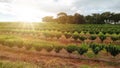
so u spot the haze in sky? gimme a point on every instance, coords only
(34, 10)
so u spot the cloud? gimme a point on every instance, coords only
(33, 10)
(97, 6)
(5, 1)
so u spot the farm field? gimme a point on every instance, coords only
(53, 45)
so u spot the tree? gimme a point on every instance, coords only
(61, 17)
(106, 17)
(78, 19)
(47, 19)
(115, 17)
(70, 19)
(88, 19)
(97, 19)
(61, 14)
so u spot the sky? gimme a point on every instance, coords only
(34, 10)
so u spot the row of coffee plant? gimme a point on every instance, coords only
(12, 41)
(92, 28)
(82, 36)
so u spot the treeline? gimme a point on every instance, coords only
(95, 18)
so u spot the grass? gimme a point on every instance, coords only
(113, 64)
(88, 66)
(51, 64)
(9, 64)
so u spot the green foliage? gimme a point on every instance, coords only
(101, 36)
(48, 34)
(82, 33)
(90, 54)
(115, 37)
(48, 48)
(48, 27)
(67, 34)
(113, 49)
(92, 37)
(15, 41)
(82, 49)
(108, 35)
(82, 38)
(58, 48)
(75, 35)
(11, 41)
(38, 48)
(28, 45)
(95, 18)
(58, 34)
(96, 48)
(71, 48)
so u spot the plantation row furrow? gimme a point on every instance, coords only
(91, 28)
(12, 41)
(114, 50)
(67, 35)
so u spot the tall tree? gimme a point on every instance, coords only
(47, 19)
(89, 19)
(97, 19)
(70, 19)
(116, 18)
(61, 14)
(106, 16)
(78, 19)
(61, 17)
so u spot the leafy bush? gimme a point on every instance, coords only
(9, 42)
(82, 33)
(102, 36)
(75, 35)
(58, 34)
(96, 48)
(108, 35)
(92, 37)
(48, 48)
(113, 49)
(28, 46)
(37, 46)
(71, 48)
(48, 34)
(115, 37)
(58, 48)
(82, 38)
(67, 34)
(82, 49)
(92, 32)
(18, 43)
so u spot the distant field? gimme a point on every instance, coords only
(91, 28)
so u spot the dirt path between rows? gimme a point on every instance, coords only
(14, 54)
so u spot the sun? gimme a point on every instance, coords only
(26, 14)
(25, 11)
